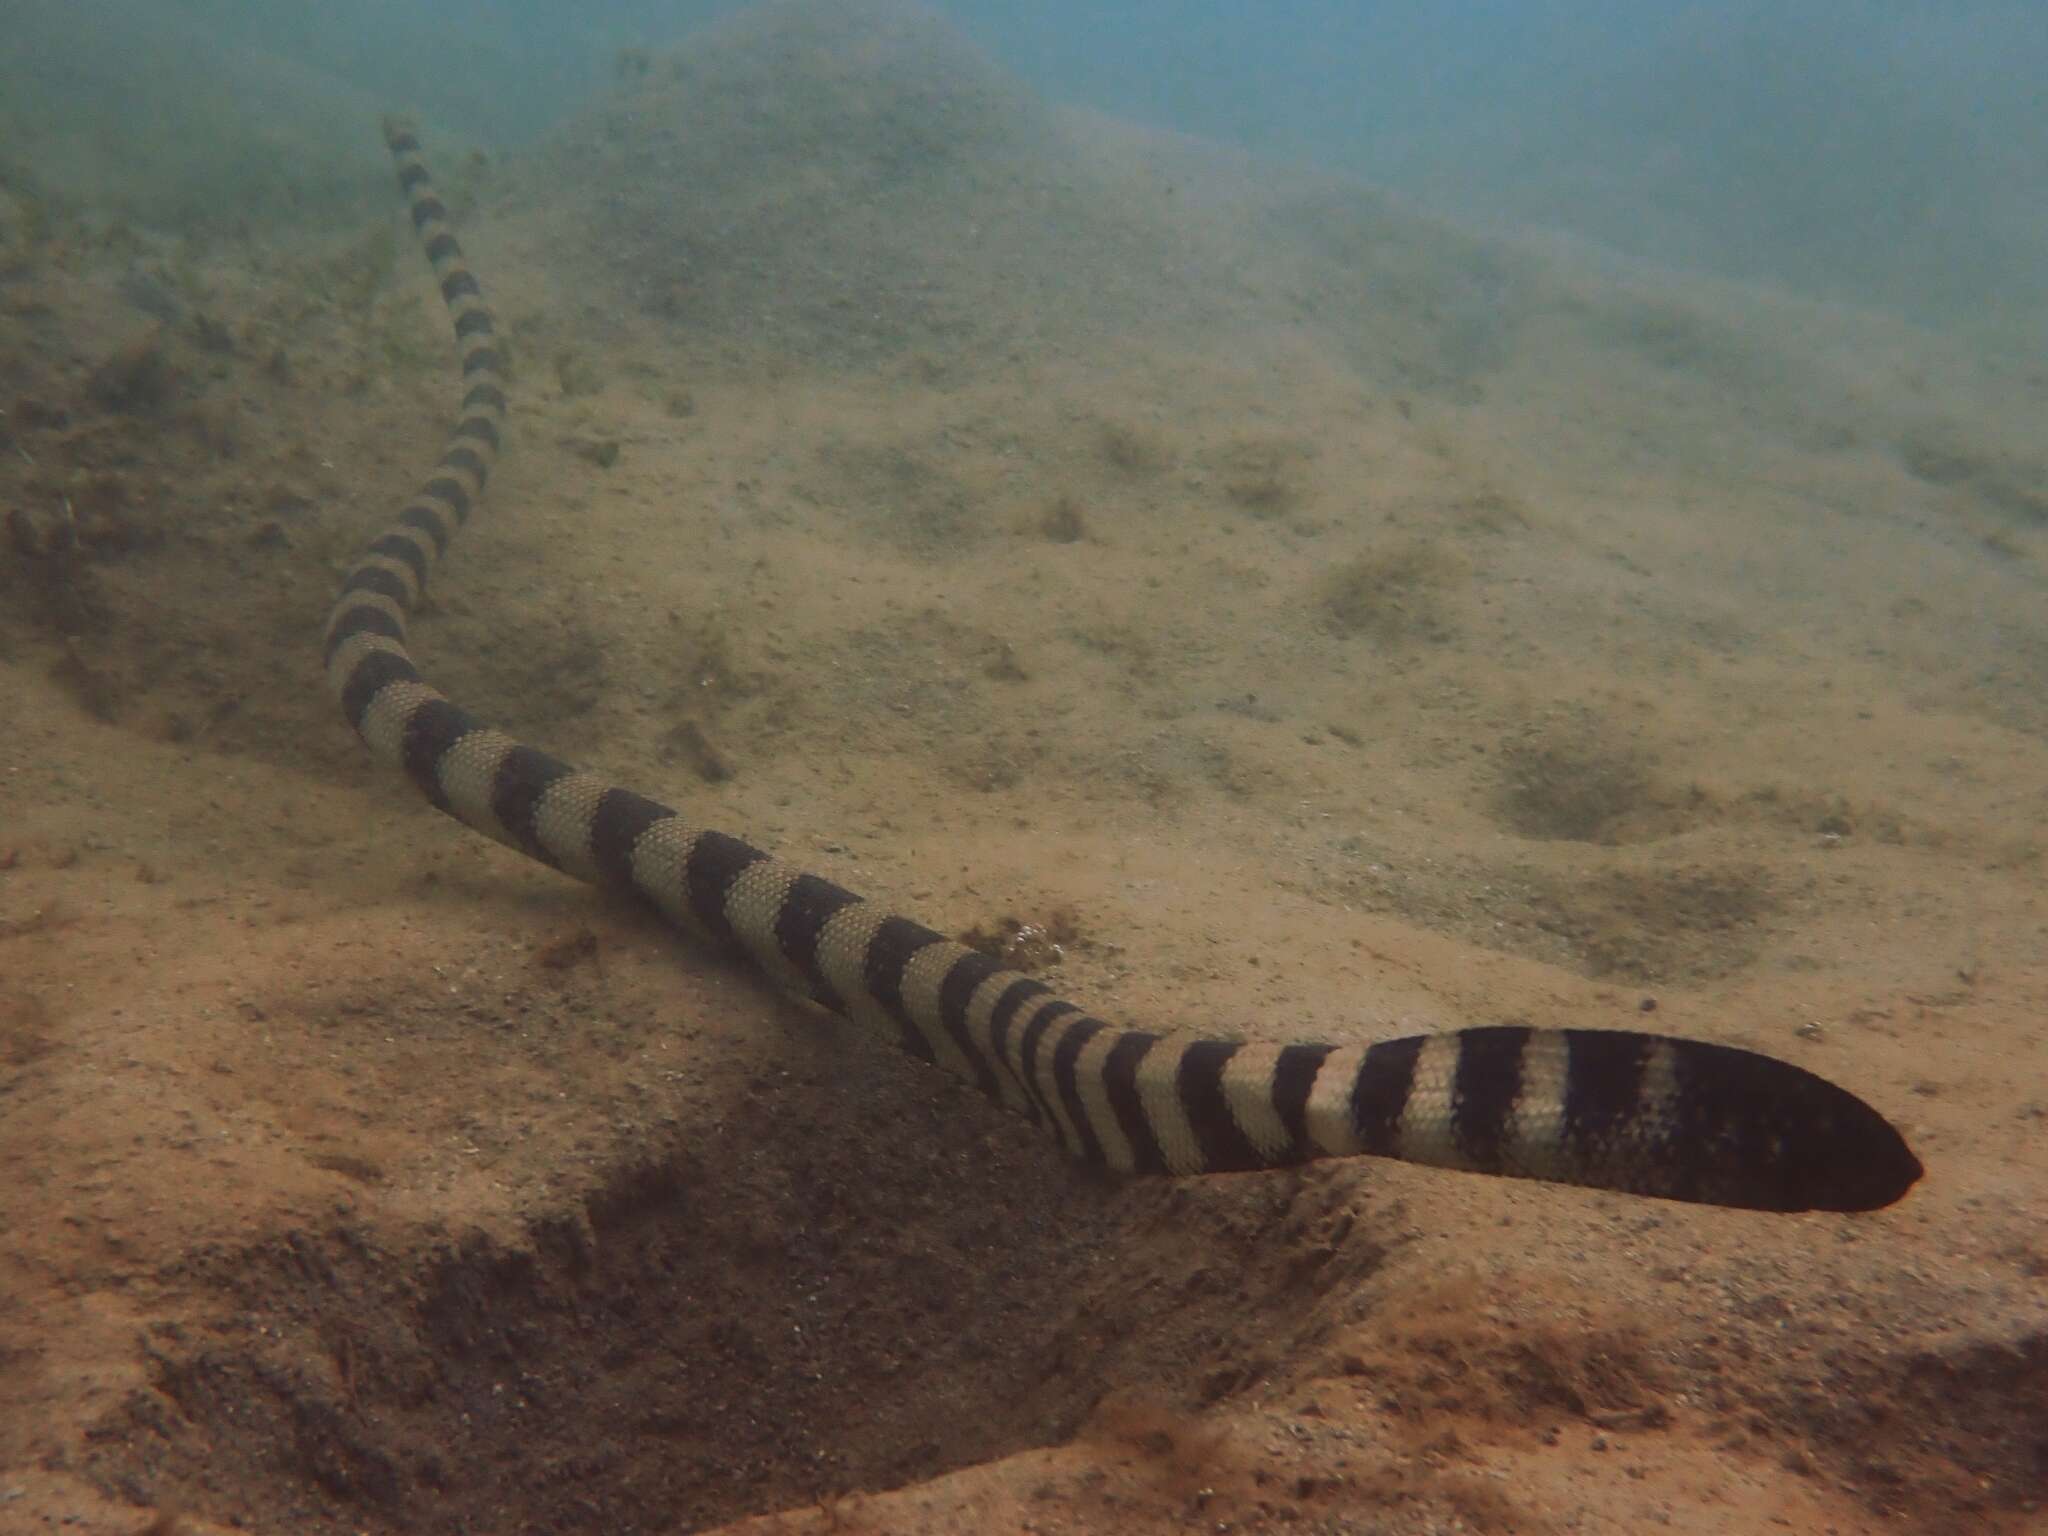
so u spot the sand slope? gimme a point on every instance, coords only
(1320, 621)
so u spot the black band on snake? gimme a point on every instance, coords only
(1640, 1113)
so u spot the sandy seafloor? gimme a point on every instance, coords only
(1323, 622)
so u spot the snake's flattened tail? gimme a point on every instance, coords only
(1642, 1114)
(1616, 1109)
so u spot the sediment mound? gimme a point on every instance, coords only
(849, 181)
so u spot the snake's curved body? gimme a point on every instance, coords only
(1620, 1110)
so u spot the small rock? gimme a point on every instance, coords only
(688, 742)
(212, 334)
(138, 379)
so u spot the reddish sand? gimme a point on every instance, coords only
(1447, 633)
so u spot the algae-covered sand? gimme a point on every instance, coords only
(1287, 613)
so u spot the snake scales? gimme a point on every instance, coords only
(1611, 1109)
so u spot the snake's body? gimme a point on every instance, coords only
(1612, 1109)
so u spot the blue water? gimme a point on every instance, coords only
(1888, 152)
(1893, 152)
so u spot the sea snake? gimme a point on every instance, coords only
(1611, 1109)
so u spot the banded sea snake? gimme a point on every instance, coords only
(1611, 1109)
